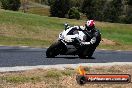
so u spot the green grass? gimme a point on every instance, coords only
(35, 76)
(39, 10)
(53, 74)
(120, 32)
(22, 41)
(17, 28)
(20, 79)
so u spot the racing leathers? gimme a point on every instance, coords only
(90, 39)
(93, 40)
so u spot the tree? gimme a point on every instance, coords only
(118, 5)
(76, 3)
(103, 10)
(93, 9)
(129, 7)
(59, 8)
(73, 13)
(46, 2)
(113, 11)
(128, 15)
(99, 9)
(109, 11)
(129, 2)
(88, 8)
(11, 4)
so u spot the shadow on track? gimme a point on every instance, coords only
(74, 57)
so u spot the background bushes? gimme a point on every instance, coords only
(73, 13)
(101, 10)
(11, 4)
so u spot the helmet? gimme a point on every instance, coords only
(90, 24)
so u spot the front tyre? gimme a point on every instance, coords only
(53, 50)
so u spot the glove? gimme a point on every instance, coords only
(93, 40)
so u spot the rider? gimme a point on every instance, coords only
(94, 36)
(92, 39)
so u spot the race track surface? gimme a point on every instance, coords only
(18, 56)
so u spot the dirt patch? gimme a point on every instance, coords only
(105, 41)
(32, 85)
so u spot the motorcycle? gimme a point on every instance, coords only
(67, 44)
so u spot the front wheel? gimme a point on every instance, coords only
(53, 50)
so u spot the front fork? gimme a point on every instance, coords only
(62, 47)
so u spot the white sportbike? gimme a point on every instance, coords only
(68, 43)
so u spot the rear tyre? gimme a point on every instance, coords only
(53, 50)
(91, 52)
(87, 52)
(81, 56)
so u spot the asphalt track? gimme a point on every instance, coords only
(22, 56)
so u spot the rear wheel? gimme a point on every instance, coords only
(81, 56)
(86, 51)
(82, 51)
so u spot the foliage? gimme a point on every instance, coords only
(108, 13)
(59, 8)
(76, 3)
(103, 10)
(46, 2)
(128, 19)
(88, 8)
(117, 8)
(93, 9)
(99, 9)
(73, 13)
(129, 2)
(11, 4)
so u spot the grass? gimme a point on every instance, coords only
(53, 74)
(120, 33)
(40, 31)
(54, 78)
(20, 79)
(39, 10)
(49, 77)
